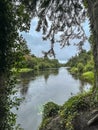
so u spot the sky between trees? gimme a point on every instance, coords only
(37, 45)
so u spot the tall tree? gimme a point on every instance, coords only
(92, 6)
(13, 18)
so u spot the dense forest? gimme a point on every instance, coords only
(33, 63)
(25, 61)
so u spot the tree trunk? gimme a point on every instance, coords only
(93, 14)
(95, 50)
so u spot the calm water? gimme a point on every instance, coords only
(55, 85)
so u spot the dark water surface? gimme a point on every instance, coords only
(56, 85)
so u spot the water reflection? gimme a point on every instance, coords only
(55, 85)
(82, 83)
(25, 78)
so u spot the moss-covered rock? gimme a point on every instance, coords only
(73, 115)
(50, 111)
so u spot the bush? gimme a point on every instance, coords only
(88, 67)
(74, 70)
(80, 67)
(89, 76)
(36, 67)
(50, 109)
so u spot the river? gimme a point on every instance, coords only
(56, 85)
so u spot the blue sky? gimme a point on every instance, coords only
(37, 45)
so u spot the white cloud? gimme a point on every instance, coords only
(36, 44)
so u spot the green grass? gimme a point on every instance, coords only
(74, 70)
(21, 70)
(25, 70)
(88, 76)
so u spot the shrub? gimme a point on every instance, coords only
(88, 67)
(80, 67)
(74, 70)
(89, 76)
(50, 109)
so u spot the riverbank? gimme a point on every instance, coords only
(56, 85)
(82, 66)
(87, 76)
(78, 113)
(21, 70)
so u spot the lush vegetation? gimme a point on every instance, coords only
(33, 63)
(40, 63)
(82, 65)
(15, 16)
(50, 110)
(24, 61)
(67, 112)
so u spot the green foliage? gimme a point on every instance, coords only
(21, 70)
(34, 63)
(13, 18)
(74, 70)
(85, 3)
(50, 109)
(68, 111)
(44, 123)
(6, 36)
(88, 76)
(82, 57)
(88, 67)
(72, 107)
(80, 67)
(76, 103)
(7, 118)
(81, 64)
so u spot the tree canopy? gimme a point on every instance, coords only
(59, 19)
(13, 19)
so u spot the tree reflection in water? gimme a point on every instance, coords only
(25, 78)
(82, 83)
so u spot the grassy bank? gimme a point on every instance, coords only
(82, 65)
(21, 70)
(88, 76)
